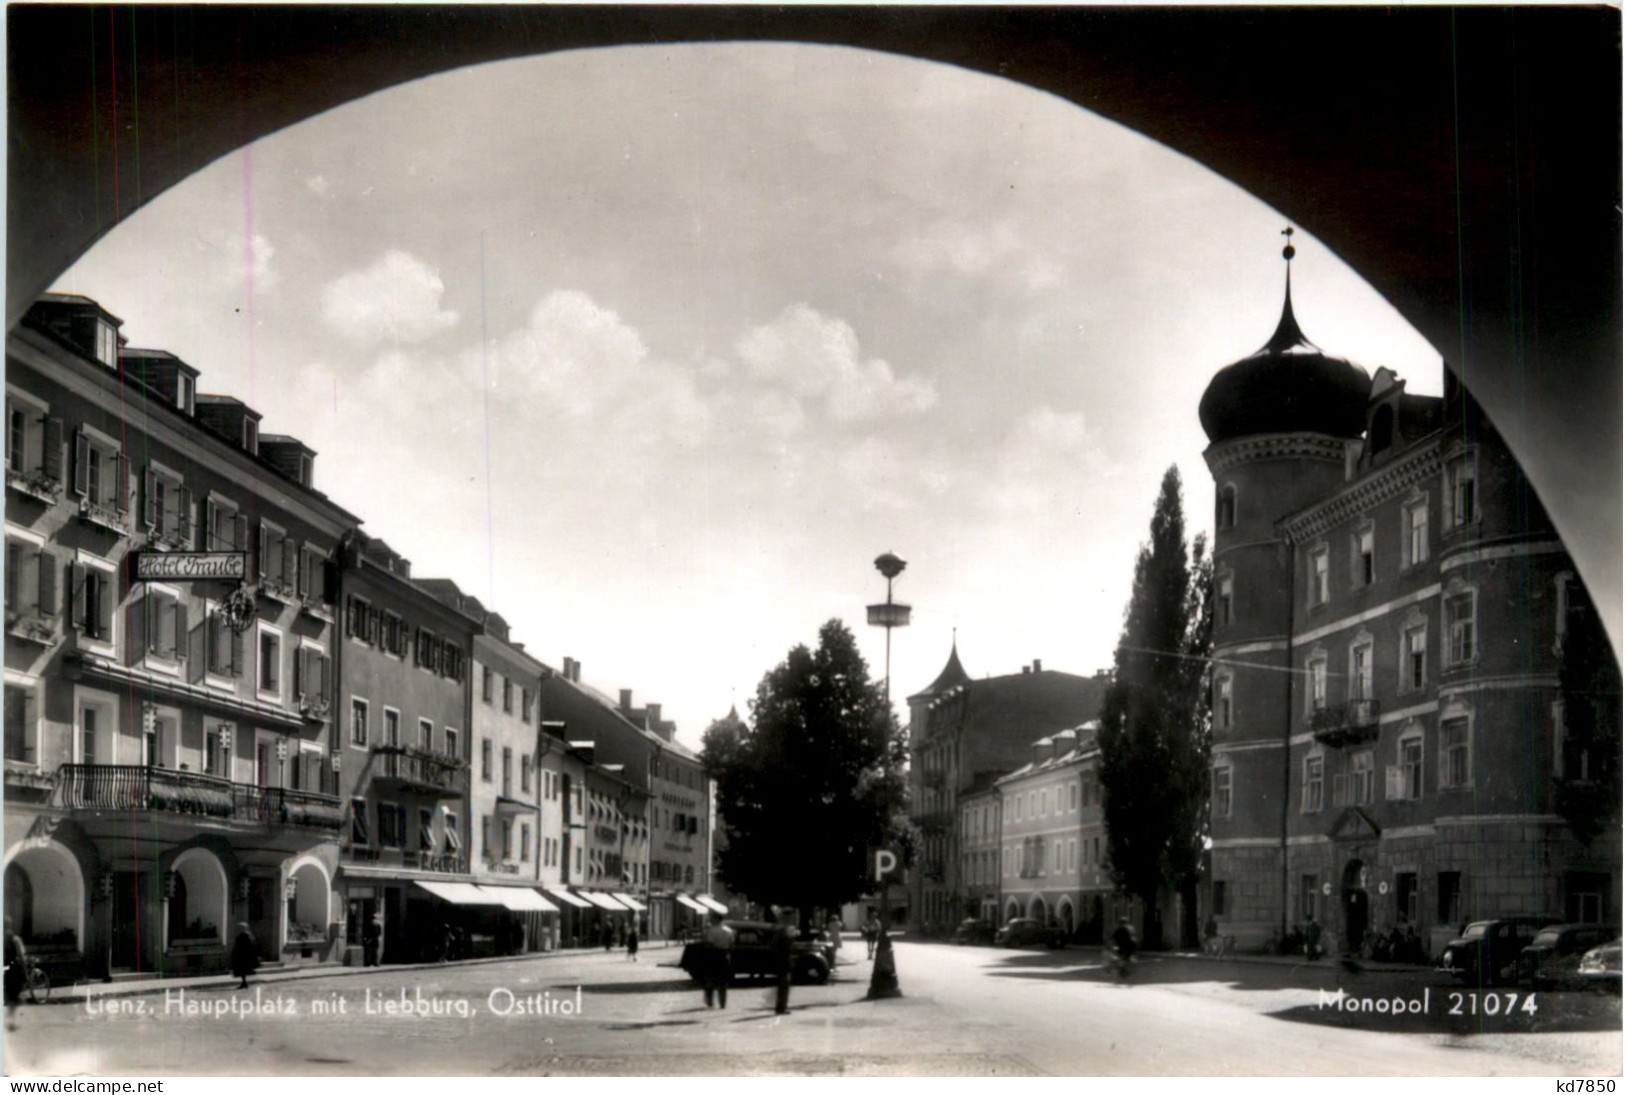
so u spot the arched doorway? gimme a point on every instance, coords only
(45, 896)
(309, 902)
(1012, 910)
(1067, 923)
(1356, 906)
(198, 901)
(1037, 910)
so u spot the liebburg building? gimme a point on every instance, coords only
(1391, 603)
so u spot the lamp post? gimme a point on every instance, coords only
(883, 979)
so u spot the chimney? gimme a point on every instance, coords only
(575, 670)
(653, 715)
(1043, 749)
(1038, 665)
(1026, 669)
(626, 700)
(567, 671)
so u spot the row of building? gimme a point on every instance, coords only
(226, 703)
(1389, 748)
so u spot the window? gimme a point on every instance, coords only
(270, 662)
(1458, 616)
(278, 561)
(226, 652)
(31, 576)
(1455, 754)
(1413, 669)
(1450, 911)
(1074, 798)
(184, 393)
(94, 594)
(1224, 610)
(392, 727)
(251, 435)
(485, 837)
(451, 744)
(101, 475)
(1405, 897)
(394, 635)
(1314, 784)
(426, 735)
(358, 821)
(1226, 516)
(166, 507)
(1222, 711)
(487, 683)
(507, 696)
(485, 759)
(1317, 684)
(106, 345)
(310, 677)
(507, 771)
(33, 442)
(312, 579)
(1405, 778)
(1415, 522)
(425, 829)
(358, 722)
(1362, 778)
(1463, 478)
(391, 825)
(22, 708)
(524, 704)
(524, 843)
(1319, 577)
(1308, 894)
(1360, 684)
(1365, 556)
(1219, 906)
(223, 528)
(507, 839)
(524, 773)
(1223, 777)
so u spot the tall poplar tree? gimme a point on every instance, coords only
(1155, 724)
(811, 783)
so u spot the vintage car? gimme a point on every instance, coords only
(1552, 959)
(755, 954)
(1487, 950)
(1023, 931)
(1599, 967)
(974, 932)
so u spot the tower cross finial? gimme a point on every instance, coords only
(1288, 251)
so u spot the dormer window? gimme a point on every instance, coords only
(251, 436)
(185, 390)
(106, 344)
(1381, 435)
(306, 469)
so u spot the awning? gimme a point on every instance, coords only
(711, 903)
(604, 901)
(520, 898)
(687, 901)
(461, 893)
(629, 902)
(570, 899)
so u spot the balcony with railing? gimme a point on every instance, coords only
(1347, 723)
(418, 770)
(130, 788)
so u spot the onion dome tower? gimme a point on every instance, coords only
(1281, 422)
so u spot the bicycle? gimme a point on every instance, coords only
(36, 984)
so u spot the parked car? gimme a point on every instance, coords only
(1487, 950)
(1023, 931)
(974, 932)
(1599, 967)
(755, 954)
(1552, 959)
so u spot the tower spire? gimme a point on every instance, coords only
(1287, 333)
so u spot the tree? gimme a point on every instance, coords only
(812, 783)
(1589, 794)
(1155, 722)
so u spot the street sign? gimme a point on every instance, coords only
(191, 566)
(885, 865)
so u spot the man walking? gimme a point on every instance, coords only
(871, 932)
(783, 947)
(717, 959)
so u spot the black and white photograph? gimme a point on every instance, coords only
(728, 540)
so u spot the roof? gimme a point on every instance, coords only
(1086, 746)
(1288, 385)
(952, 673)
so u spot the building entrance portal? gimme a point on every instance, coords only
(1356, 906)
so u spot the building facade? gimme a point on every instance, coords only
(168, 663)
(1390, 608)
(963, 735)
(980, 855)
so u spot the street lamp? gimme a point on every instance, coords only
(883, 978)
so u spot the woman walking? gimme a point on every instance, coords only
(245, 955)
(632, 943)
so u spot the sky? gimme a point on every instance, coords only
(655, 349)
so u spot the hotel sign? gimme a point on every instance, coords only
(191, 566)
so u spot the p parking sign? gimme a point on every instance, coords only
(885, 865)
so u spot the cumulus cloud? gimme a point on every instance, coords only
(396, 299)
(974, 251)
(1045, 461)
(814, 356)
(244, 260)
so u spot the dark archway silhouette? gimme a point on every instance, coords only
(1466, 162)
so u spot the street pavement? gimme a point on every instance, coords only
(966, 1011)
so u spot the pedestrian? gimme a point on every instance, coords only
(16, 974)
(245, 955)
(783, 950)
(372, 934)
(632, 943)
(1211, 934)
(871, 932)
(833, 930)
(717, 960)
(1311, 939)
(608, 936)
